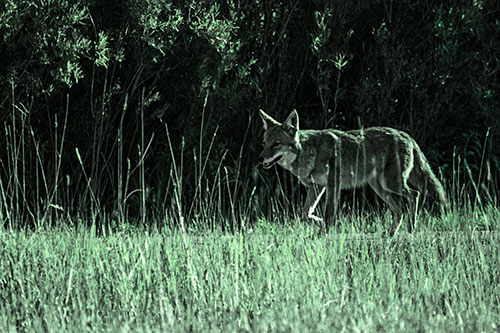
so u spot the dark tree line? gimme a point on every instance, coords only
(111, 102)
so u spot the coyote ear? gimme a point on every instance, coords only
(267, 120)
(292, 121)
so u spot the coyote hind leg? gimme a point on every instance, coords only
(412, 196)
(393, 201)
(393, 195)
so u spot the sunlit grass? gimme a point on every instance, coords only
(270, 277)
(203, 271)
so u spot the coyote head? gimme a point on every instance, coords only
(281, 143)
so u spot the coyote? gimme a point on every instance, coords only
(387, 159)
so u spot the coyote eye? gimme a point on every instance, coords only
(275, 145)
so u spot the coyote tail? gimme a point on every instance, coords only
(431, 183)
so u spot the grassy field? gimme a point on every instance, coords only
(445, 277)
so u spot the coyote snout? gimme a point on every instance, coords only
(328, 160)
(268, 162)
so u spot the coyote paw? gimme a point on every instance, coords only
(315, 218)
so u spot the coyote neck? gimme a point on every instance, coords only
(302, 169)
(314, 149)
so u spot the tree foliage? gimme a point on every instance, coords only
(107, 77)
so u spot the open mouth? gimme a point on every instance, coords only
(268, 164)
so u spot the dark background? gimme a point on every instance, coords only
(88, 89)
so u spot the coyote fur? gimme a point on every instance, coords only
(387, 159)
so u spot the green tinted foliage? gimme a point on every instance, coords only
(43, 38)
(206, 67)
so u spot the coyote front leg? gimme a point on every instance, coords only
(333, 187)
(332, 201)
(311, 202)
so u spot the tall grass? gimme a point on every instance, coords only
(277, 279)
(220, 262)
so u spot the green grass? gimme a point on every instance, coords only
(272, 277)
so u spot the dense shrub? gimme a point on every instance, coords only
(88, 88)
